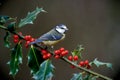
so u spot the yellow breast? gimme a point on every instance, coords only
(51, 43)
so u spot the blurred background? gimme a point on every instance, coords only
(95, 24)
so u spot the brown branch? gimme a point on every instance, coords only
(63, 58)
(86, 70)
(13, 32)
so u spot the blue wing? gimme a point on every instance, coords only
(50, 36)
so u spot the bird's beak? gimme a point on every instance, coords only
(66, 29)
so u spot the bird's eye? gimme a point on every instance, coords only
(62, 28)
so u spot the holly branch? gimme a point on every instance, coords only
(39, 56)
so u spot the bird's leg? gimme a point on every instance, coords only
(45, 47)
(50, 48)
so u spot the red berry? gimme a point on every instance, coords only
(44, 51)
(63, 53)
(72, 66)
(62, 49)
(57, 56)
(57, 52)
(66, 52)
(45, 57)
(32, 39)
(16, 40)
(48, 55)
(75, 58)
(81, 63)
(70, 58)
(27, 37)
(86, 62)
(27, 43)
(15, 36)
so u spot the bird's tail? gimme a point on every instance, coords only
(31, 43)
(34, 42)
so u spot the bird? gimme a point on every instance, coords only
(52, 37)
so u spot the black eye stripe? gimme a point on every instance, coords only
(62, 28)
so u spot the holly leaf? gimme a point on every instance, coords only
(77, 76)
(34, 59)
(80, 76)
(11, 26)
(78, 51)
(90, 77)
(31, 16)
(6, 40)
(99, 63)
(4, 19)
(45, 71)
(16, 59)
(87, 77)
(94, 78)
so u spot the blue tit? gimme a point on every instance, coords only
(52, 37)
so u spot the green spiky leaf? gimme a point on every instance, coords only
(11, 26)
(45, 71)
(34, 59)
(80, 76)
(87, 77)
(30, 17)
(6, 40)
(4, 19)
(94, 78)
(99, 63)
(90, 77)
(78, 51)
(77, 76)
(16, 59)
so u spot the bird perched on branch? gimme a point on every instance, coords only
(52, 37)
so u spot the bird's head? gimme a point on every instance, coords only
(61, 28)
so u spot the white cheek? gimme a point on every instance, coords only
(60, 30)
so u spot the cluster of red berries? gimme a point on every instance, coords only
(73, 58)
(81, 63)
(16, 38)
(85, 64)
(28, 39)
(60, 53)
(45, 54)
